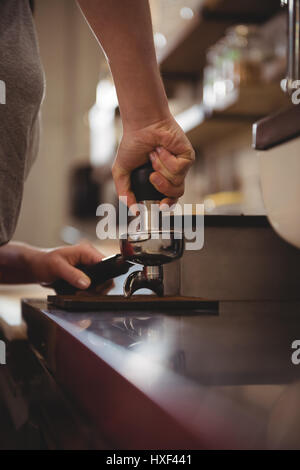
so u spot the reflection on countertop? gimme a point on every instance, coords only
(231, 370)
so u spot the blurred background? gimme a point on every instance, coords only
(221, 61)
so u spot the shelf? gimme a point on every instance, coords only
(215, 128)
(185, 56)
(257, 101)
(203, 126)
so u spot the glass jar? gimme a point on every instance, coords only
(236, 60)
(220, 82)
(250, 51)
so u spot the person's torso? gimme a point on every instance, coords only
(22, 88)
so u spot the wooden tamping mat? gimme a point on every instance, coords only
(83, 303)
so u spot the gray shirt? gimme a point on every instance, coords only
(21, 93)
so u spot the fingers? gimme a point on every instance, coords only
(122, 184)
(62, 269)
(170, 172)
(176, 165)
(168, 177)
(174, 169)
(62, 262)
(165, 187)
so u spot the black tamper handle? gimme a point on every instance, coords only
(141, 186)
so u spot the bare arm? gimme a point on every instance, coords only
(124, 30)
(13, 266)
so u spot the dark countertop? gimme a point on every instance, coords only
(194, 380)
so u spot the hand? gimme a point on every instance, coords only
(59, 263)
(171, 154)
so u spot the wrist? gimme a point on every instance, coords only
(144, 103)
(30, 259)
(145, 116)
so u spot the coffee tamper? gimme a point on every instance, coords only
(151, 245)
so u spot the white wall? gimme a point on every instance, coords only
(72, 61)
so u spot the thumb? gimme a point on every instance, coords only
(123, 185)
(72, 275)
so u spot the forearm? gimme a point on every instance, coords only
(15, 265)
(124, 30)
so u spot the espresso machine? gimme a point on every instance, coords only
(277, 140)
